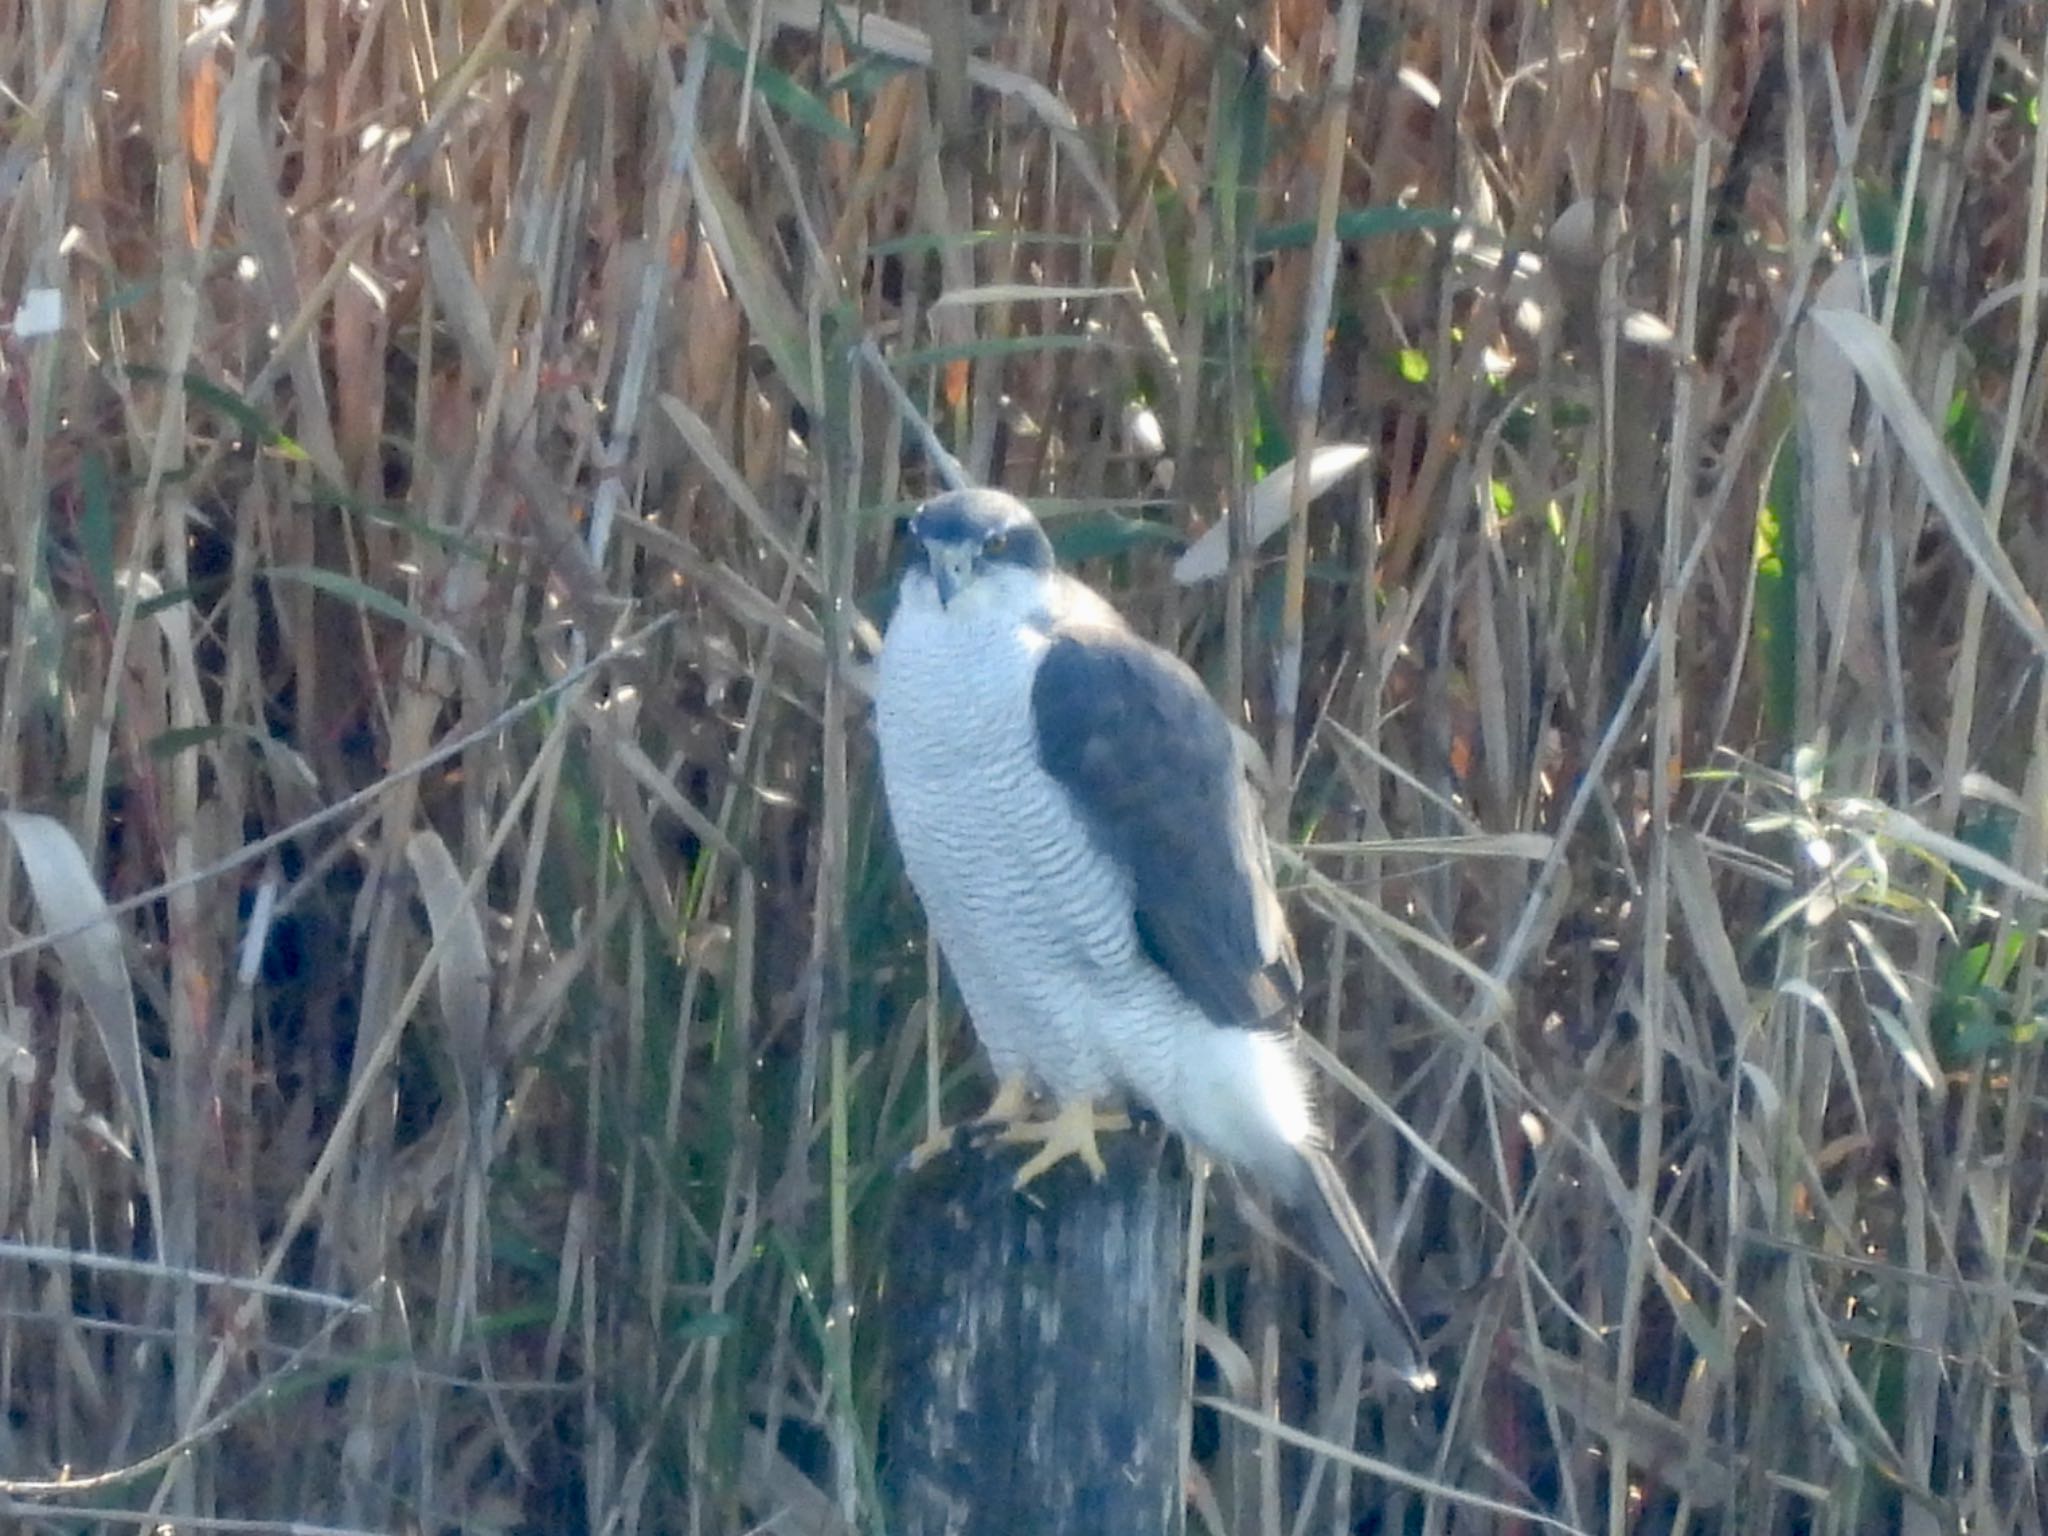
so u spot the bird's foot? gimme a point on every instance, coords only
(939, 1140)
(1010, 1107)
(1070, 1133)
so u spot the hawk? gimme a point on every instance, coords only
(1076, 818)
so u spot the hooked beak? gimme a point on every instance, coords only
(952, 567)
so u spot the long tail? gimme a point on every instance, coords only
(1347, 1248)
(1243, 1095)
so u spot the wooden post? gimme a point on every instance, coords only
(1034, 1365)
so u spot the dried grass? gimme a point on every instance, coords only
(462, 1013)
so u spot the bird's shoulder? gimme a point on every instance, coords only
(1097, 672)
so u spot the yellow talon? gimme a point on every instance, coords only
(1070, 1133)
(1011, 1106)
(939, 1140)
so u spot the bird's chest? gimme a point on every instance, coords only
(954, 716)
(1034, 919)
(988, 836)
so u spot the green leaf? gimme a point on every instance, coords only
(1875, 207)
(782, 92)
(1355, 224)
(514, 1320)
(150, 607)
(998, 346)
(170, 743)
(96, 528)
(707, 1325)
(1973, 440)
(1776, 618)
(1098, 537)
(1272, 441)
(866, 76)
(755, 277)
(326, 495)
(349, 590)
(926, 245)
(256, 427)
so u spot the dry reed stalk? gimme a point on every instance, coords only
(441, 529)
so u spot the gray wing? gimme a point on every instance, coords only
(1135, 739)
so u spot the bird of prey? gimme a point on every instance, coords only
(1075, 814)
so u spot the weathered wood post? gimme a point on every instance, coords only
(1034, 1367)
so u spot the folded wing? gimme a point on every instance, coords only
(1133, 736)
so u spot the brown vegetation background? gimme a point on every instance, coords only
(448, 454)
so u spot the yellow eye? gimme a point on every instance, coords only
(998, 546)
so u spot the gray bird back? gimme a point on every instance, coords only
(1132, 735)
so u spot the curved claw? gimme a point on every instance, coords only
(1011, 1107)
(1070, 1133)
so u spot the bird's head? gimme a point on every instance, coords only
(964, 537)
